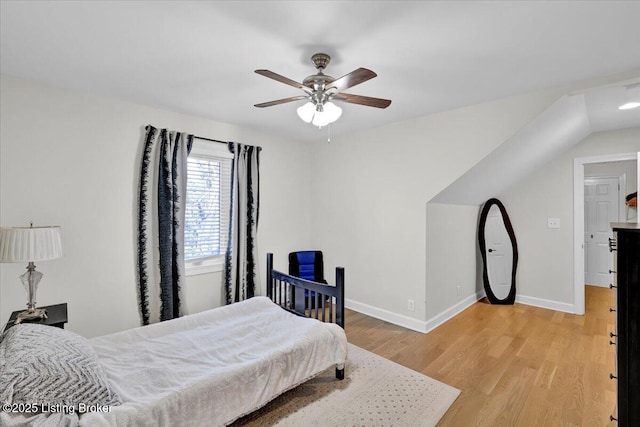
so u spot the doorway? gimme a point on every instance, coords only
(579, 218)
(601, 208)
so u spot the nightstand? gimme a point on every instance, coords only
(56, 316)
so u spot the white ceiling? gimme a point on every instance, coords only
(198, 57)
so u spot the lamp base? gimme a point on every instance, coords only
(37, 313)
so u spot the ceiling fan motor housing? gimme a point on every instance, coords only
(317, 82)
(321, 60)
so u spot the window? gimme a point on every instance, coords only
(207, 207)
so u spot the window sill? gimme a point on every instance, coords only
(196, 267)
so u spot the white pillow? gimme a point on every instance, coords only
(44, 365)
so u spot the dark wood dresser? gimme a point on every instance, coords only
(626, 244)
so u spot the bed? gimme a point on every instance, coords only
(207, 369)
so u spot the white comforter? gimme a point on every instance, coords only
(210, 368)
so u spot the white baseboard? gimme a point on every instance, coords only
(545, 303)
(408, 322)
(439, 319)
(386, 315)
(597, 286)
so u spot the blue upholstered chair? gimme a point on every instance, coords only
(307, 265)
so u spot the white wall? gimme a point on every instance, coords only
(452, 255)
(545, 265)
(371, 191)
(71, 159)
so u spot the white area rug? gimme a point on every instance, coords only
(375, 392)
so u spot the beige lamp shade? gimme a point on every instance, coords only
(26, 244)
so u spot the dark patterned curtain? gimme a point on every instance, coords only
(241, 277)
(161, 211)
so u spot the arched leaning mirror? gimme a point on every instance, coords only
(499, 253)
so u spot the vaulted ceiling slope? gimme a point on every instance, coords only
(199, 57)
(565, 123)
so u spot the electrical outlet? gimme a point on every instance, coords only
(553, 222)
(411, 305)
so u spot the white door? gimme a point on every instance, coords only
(499, 253)
(601, 205)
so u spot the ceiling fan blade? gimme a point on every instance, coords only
(280, 101)
(349, 80)
(363, 100)
(281, 79)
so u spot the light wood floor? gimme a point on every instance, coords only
(515, 365)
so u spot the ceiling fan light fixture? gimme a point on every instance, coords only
(332, 111)
(326, 113)
(306, 112)
(320, 119)
(319, 114)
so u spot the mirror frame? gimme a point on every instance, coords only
(511, 297)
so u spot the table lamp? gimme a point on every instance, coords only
(29, 244)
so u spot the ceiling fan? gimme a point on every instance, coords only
(320, 89)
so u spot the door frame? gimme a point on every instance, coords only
(578, 219)
(621, 178)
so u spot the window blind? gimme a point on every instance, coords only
(207, 206)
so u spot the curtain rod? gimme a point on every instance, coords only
(209, 139)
